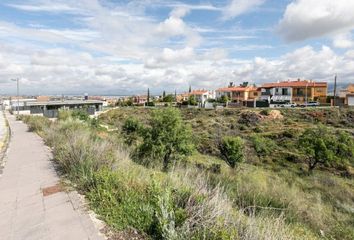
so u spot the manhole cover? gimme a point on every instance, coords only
(52, 190)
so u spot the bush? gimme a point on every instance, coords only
(249, 118)
(231, 150)
(262, 146)
(166, 141)
(37, 123)
(131, 130)
(80, 114)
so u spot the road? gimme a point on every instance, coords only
(32, 203)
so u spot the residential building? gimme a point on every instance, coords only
(239, 94)
(201, 96)
(51, 108)
(139, 100)
(348, 95)
(299, 91)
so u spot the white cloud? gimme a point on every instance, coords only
(52, 7)
(175, 26)
(304, 19)
(238, 7)
(120, 51)
(343, 41)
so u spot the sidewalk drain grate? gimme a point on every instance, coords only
(52, 190)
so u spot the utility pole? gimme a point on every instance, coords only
(335, 90)
(18, 95)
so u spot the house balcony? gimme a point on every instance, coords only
(281, 98)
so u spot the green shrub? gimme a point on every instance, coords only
(231, 150)
(122, 201)
(79, 154)
(166, 141)
(37, 123)
(64, 115)
(131, 130)
(262, 146)
(80, 114)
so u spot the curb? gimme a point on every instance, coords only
(6, 142)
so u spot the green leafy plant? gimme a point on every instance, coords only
(319, 146)
(166, 141)
(131, 130)
(263, 146)
(231, 150)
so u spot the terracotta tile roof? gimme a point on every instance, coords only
(301, 83)
(198, 92)
(237, 89)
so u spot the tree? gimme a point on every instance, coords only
(166, 141)
(231, 150)
(223, 99)
(190, 89)
(244, 84)
(192, 101)
(148, 97)
(163, 94)
(168, 98)
(345, 148)
(319, 146)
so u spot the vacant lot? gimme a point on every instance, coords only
(231, 174)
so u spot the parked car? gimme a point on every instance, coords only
(310, 104)
(285, 105)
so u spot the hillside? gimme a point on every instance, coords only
(201, 194)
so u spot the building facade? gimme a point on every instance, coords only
(299, 91)
(238, 94)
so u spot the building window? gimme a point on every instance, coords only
(285, 91)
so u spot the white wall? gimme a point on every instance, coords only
(350, 100)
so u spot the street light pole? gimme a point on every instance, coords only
(18, 95)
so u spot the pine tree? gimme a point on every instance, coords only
(148, 96)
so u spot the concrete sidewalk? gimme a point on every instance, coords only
(31, 206)
(3, 130)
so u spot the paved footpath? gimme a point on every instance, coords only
(30, 205)
(2, 130)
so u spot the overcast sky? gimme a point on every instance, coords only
(126, 46)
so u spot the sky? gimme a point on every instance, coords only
(123, 47)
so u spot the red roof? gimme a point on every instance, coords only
(302, 83)
(198, 92)
(237, 89)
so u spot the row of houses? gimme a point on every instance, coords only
(290, 91)
(299, 91)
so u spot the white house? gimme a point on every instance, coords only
(201, 96)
